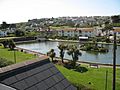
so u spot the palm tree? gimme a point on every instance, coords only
(5, 43)
(11, 44)
(74, 52)
(108, 27)
(62, 48)
(51, 54)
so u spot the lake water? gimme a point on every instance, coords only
(44, 47)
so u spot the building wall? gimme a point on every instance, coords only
(118, 34)
(76, 33)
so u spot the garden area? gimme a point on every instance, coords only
(83, 76)
(90, 78)
(7, 56)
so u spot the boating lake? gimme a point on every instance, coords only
(95, 57)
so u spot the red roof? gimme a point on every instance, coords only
(116, 29)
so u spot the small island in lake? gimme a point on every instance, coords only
(93, 47)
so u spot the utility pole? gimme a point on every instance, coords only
(114, 61)
(14, 56)
(106, 79)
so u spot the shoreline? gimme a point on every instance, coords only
(58, 58)
(30, 41)
(54, 40)
(88, 63)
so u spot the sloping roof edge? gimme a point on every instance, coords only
(5, 87)
(11, 68)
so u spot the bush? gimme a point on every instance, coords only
(4, 62)
(108, 40)
(89, 47)
(1, 44)
(103, 49)
(86, 47)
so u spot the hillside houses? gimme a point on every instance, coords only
(5, 32)
(72, 32)
(117, 31)
(47, 32)
(7, 28)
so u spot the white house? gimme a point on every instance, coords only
(72, 32)
(98, 31)
(117, 30)
(87, 32)
(3, 33)
(10, 30)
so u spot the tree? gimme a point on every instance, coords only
(107, 28)
(62, 48)
(19, 33)
(4, 25)
(95, 43)
(5, 43)
(11, 44)
(51, 54)
(74, 52)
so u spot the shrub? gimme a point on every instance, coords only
(4, 62)
(1, 44)
(103, 49)
(88, 47)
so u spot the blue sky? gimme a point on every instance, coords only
(13, 11)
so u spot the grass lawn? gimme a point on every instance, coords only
(60, 27)
(8, 38)
(20, 56)
(95, 76)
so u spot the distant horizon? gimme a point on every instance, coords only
(16, 11)
(50, 17)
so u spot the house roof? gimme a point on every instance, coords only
(39, 74)
(86, 29)
(116, 29)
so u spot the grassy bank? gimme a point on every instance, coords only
(20, 56)
(92, 78)
(8, 38)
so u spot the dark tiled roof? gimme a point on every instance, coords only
(34, 75)
(5, 87)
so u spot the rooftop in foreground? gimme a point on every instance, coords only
(39, 74)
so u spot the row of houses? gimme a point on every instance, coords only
(88, 32)
(72, 32)
(82, 32)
